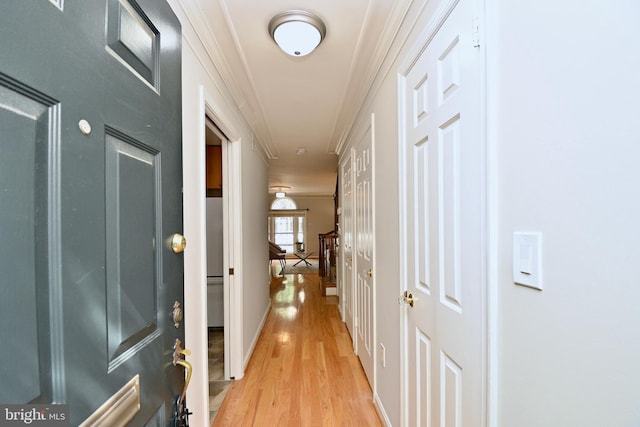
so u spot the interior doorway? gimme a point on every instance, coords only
(217, 329)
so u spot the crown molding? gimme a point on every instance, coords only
(413, 12)
(350, 110)
(232, 85)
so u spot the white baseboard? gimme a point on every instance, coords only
(254, 342)
(380, 409)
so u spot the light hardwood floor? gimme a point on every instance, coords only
(303, 371)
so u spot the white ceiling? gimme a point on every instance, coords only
(294, 103)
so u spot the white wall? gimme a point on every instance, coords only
(255, 256)
(201, 83)
(387, 249)
(565, 87)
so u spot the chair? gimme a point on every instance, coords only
(276, 252)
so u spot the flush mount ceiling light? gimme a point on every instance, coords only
(280, 194)
(297, 32)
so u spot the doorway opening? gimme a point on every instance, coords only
(219, 380)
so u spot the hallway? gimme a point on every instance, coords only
(303, 371)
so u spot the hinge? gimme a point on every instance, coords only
(475, 31)
(231, 272)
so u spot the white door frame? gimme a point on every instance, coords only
(490, 207)
(231, 197)
(195, 264)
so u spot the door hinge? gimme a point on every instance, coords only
(231, 272)
(475, 31)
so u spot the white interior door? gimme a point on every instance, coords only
(444, 210)
(347, 291)
(365, 293)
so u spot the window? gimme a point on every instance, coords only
(284, 203)
(287, 226)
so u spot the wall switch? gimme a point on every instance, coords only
(383, 356)
(527, 259)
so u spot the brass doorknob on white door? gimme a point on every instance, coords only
(178, 243)
(406, 299)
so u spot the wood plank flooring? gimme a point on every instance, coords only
(303, 371)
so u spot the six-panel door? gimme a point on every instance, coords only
(90, 194)
(443, 225)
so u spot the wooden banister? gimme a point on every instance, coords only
(327, 243)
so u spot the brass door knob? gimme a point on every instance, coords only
(178, 353)
(406, 299)
(178, 243)
(176, 314)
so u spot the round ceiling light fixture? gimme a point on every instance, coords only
(297, 32)
(280, 194)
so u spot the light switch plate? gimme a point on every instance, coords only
(527, 259)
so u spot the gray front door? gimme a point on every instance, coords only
(90, 195)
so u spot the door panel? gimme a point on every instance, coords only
(347, 239)
(133, 39)
(364, 252)
(91, 182)
(25, 120)
(444, 187)
(132, 182)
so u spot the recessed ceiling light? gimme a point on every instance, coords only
(297, 32)
(300, 151)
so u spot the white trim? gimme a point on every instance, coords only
(380, 410)
(390, 32)
(227, 258)
(195, 266)
(256, 337)
(196, 336)
(402, 234)
(374, 261)
(232, 259)
(231, 85)
(488, 18)
(429, 32)
(235, 249)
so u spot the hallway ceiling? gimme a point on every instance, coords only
(293, 103)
